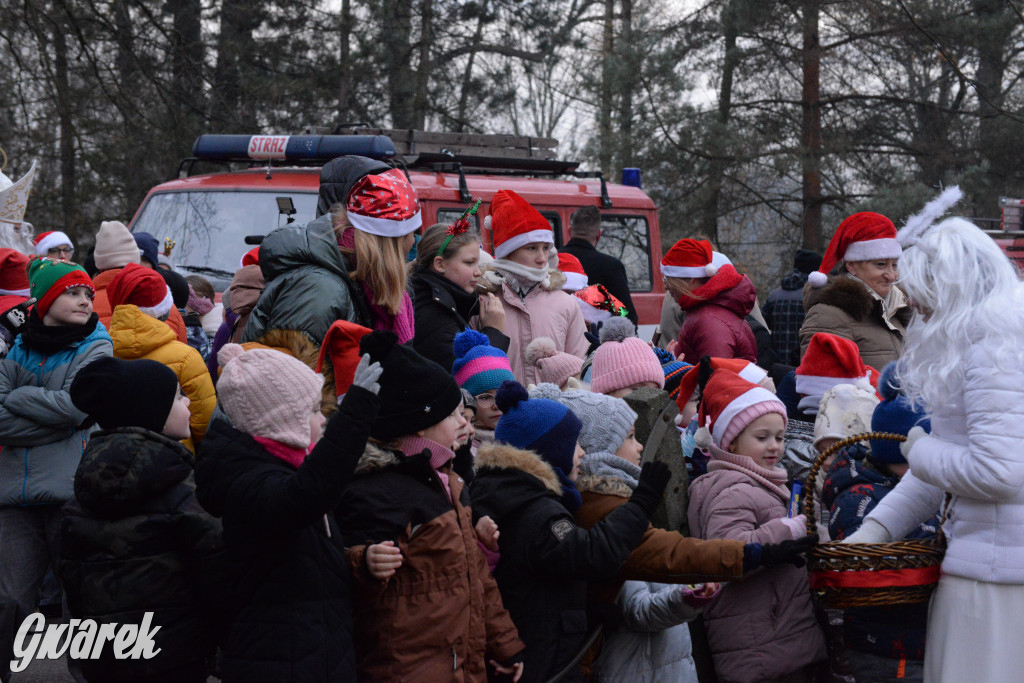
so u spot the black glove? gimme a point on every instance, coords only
(771, 554)
(654, 478)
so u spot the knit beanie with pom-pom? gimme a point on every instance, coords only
(268, 394)
(544, 426)
(553, 366)
(845, 410)
(895, 415)
(623, 360)
(479, 367)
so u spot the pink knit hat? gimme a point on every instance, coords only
(268, 394)
(623, 360)
(728, 404)
(553, 366)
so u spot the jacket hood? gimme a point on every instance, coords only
(491, 281)
(604, 485)
(727, 288)
(738, 299)
(339, 176)
(376, 458)
(123, 469)
(136, 334)
(795, 280)
(245, 289)
(853, 298)
(291, 247)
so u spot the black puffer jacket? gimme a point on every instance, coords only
(135, 540)
(546, 560)
(442, 311)
(292, 617)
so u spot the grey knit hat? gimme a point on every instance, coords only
(606, 420)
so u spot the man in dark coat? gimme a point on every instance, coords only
(784, 309)
(601, 268)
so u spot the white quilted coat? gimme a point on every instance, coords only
(976, 453)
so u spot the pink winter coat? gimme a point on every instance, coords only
(546, 312)
(762, 627)
(714, 324)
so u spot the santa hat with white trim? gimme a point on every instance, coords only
(572, 269)
(728, 405)
(864, 236)
(689, 258)
(742, 368)
(14, 273)
(142, 287)
(384, 204)
(831, 360)
(45, 241)
(515, 223)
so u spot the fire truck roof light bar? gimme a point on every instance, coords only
(290, 147)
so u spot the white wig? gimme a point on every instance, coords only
(970, 293)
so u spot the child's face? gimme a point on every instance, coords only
(532, 255)
(466, 434)
(445, 431)
(316, 425)
(176, 426)
(487, 414)
(626, 391)
(631, 450)
(72, 307)
(577, 456)
(690, 409)
(463, 268)
(763, 440)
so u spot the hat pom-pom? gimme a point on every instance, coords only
(228, 353)
(469, 339)
(546, 390)
(817, 279)
(711, 269)
(487, 222)
(702, 439)
(678, 419)
(540, 348)
(509, 395)
(617, 330)
(888, 384)
(378, 344)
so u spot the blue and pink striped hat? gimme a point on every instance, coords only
(479, 367)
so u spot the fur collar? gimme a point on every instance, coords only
(853, 298)
(604, 485)
(298, 345)
(503, 456)
(491, 281)
(374, 459)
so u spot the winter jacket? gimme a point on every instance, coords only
(443, 310)
(848, 308)
(546, 560)
(766, 355)
(651, 643)
(603, 269)
(137, 335)
(763, 627)
(671, 321)
(439, 617)
(714, 324)
(291, 618)
(243, 293)
(544, 312)
(40, 428)
(102, 308)
(784, 312)
(853, 487)
(974, 453)
(308, 286)
(135, 515)
(197, 338)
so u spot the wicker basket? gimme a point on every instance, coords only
(869, 574)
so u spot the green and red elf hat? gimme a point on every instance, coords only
(49, 278)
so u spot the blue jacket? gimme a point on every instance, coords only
(40, 429)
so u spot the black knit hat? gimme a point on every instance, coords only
(125, 393)
(178, 286)
(415, 393)
(806, 261)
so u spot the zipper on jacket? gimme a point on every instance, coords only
(455, 660)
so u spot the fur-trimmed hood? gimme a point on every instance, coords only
(603, 484)
(491, 281)
(504, 457)
(853, 298)
(298, 345)
(375, 458)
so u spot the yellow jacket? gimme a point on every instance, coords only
(137, 335)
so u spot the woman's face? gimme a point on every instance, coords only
(463, 268)
(879, 274)
(678, 286)
(532, 255)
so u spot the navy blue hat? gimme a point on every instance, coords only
(896, 415)
(148, 246)
(538, 424)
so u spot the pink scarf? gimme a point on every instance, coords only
(401, 323)
(290, 454)
(439, 455)
(773, 479)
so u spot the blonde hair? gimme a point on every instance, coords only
(379, 262)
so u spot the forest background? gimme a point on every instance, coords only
(758, 124)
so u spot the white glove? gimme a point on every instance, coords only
(869, 532)
(912, 437)
(367, 374)
(797, 526)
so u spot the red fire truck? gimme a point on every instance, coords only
(260, 182)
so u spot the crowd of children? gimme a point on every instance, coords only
(432, 472)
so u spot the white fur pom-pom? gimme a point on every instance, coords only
(678, 419)
(702, 439)
(487, 222)
(540, 348)
(711, 269)
(817, 279)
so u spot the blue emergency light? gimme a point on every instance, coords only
(631, 177)
(291, 147)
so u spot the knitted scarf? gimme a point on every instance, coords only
(48, 340)
(520, 278)
(604, 464)
(726, 278)
(439, 455)
(773, 479)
